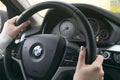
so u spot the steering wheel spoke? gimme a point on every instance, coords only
(66, 71)
(71, 55)
(68, 63)
(21, 66)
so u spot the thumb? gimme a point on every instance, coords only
(23, 25)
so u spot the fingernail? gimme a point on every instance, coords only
(82, 47)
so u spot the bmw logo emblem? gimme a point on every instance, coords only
(37, 51)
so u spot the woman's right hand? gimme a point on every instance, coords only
(92, 71)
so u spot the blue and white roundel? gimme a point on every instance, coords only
(37, 51)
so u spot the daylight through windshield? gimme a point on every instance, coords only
(111, 5)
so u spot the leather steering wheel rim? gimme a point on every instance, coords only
(69, 9)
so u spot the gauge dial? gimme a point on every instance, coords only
(95, 25)
(67, 29)
(104, 34)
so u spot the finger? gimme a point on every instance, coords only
(81, 59)
(13, 20)
(18, 29)
(99, 60)
(23, 25)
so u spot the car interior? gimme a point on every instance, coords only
(57, 36)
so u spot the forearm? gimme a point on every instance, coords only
(4, 42)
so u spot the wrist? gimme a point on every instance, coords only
(4, 41)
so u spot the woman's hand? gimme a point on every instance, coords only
(92, 71)
(11, 29)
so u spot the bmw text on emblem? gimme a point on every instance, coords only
(37, 51)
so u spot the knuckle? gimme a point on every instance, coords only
(97, 68)
(100, 56)
(7, 21)
(102, 73)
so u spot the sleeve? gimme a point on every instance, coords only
(4, 42)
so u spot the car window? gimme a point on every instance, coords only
(111, 5)
(3, 15)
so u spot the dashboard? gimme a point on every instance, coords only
(67, 28)
(105, 29)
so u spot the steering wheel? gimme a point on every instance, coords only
(43, 56)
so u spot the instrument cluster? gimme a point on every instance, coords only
(68, 30)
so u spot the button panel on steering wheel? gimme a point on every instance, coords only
(71, 55)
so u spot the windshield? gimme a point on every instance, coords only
(111, 5)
